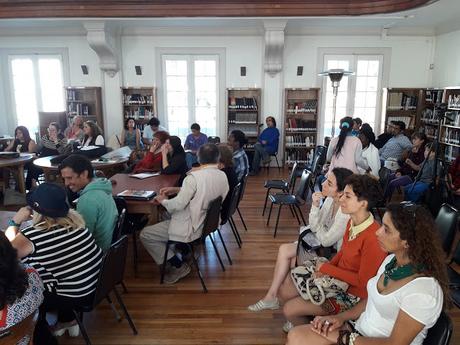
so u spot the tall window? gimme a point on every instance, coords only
(358, 94)
(191, 93)
(37, 82)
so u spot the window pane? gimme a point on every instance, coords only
(366, 90)
(372, 83)
(373, 70)
(205, 84)
(176, 83)
(371, 99)
(361, 83)
(51, 84)
(176, 67)
(362, 67)
(205, 68)
(177, 99)
(360, 100)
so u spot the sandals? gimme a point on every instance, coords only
(264, 305)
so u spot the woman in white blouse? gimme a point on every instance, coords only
(370, 152)
(406, 296)
(93, 134)
(328, 224)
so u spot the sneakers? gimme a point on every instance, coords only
(174, 274)
(264, 305)
(287, 326)
(71, 327)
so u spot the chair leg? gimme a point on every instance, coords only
(114, 309)
(82, 328)
(163, 268)
(295, 212)
(198, 270)
(125, 311)
(233, 225)
(301, 215)
(135, 257)
(234, 233)
(242, 219)
(292, 212)
(269, 214)
(125, 290)
(278, 164)
(225, 247)
(266, 199)
(217, 253)
(277, 220)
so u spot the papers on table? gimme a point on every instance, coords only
(142, 176)
(137, 194)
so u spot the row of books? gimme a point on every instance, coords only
(401, 101)
(429, 116)
(408, 120)
(454, 101)
(451, 153)
(242, 103)
(72, 95)
(301, 156)
(138, 113)
(433, 96)
(299, 124)
(248, 146)
(300, 140)
(242, 117)
(431, 132)
(453, 118)
(247, 129)
(78, 109)
(308, 106)
(452, 136)
(136, 98)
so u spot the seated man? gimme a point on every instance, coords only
(188, 211)
(192, 144)
(237, 140)
(399, 143)
(95, 202)
(151, 129)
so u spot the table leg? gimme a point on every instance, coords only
(21, 182)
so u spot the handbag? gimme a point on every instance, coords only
(314, 289)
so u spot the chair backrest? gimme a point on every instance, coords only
(119, 226)
(446, 222)
(384, 178)
(292, 175)
(233, 202)
(456, 257)
(441, 332)
(319, 158)
(303, 185)
(15, 334)
(112, 269)
(244, 181)
(214, 140)
(211, 222)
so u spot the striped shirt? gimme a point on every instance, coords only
(240, 163)
(67, 260)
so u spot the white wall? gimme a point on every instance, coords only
(447, 60)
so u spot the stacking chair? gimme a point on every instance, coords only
(446, 222)
(384, 180)
(283, 185)
(211, 224)
(110, 275)
(231, 211)
(319, 158)
(294, 201)
(244, 181)
(119, 225)
(441, 332)
(267, 165)
(454, 276)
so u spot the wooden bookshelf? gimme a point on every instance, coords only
(300, 124)
(450, 126)
(403, 104)
(243, 113)
(139, 103)
(86, 102)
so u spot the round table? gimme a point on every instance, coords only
(18, 165)
(52, 169)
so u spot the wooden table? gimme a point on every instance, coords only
(121, 182)
(52, 169)
(18, 165)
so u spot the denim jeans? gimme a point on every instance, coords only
(259, 154)
(396, 182)
(191, 159)
(415, 194)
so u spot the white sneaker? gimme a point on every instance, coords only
(287, 326)
(174, 274)
(264, 305)
(71, 327)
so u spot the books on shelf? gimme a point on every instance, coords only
(138, 99)
(294, 125)
(242, 103)
(243, 118)
(454, 101)
(433, 96)
(307, 106)
(77, 109)
(300, 141)
(137, 194)
(401, 101)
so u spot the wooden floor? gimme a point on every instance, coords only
(181, 314)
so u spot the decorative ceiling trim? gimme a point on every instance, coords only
(274, 46)
(200, 8)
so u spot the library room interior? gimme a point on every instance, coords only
(253, 172)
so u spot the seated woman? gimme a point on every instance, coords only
(193, 142)
(173, 158)
(22, 141)
(411, 166)
(131, 136)
(93, 135)
(152, 160)
(226, 165)
(328, 223)
(266, 145)
(71, 265)
(370, 152)
(21, 289)
(355, 263)
(75, 131)
(406, 296)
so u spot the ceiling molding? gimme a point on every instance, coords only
(200, 8)
(274, 46)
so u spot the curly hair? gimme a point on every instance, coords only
(13, 278)
(365, 188)
(416, 226)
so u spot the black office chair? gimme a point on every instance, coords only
(244, 181)
(214, 140)
(441, 332)
(110, 275)
(283, 185)
(295, 201)
(446, 222)
(211, 224)
(231, 211)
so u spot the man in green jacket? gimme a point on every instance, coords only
(95, 202)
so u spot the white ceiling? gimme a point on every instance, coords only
(437, 18)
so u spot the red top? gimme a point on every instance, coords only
(151, 161)
(357, 261)
(454, 171)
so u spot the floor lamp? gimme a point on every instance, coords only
(336, 76)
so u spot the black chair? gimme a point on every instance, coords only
(231, 211)
(211, 224)
(446, 222)
(213, 140)
(454, 276)
(267, 165)
(441, 332)
(294, 201)
(384, 181)
(283, 185)
(119, 225)
(110, 275)
(319, 158)
(244, 181)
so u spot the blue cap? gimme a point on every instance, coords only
(49, 200)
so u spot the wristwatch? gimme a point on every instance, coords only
(11, 222)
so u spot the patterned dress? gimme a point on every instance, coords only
(14, 313)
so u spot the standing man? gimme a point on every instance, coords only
(236, 140)
(95, 202)
(151, 129)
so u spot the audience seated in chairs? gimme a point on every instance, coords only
(193, 142)
(370, 152)
(21, 291)
(75, 131)
(149, 131)
(406, 296)
(355, 263)
(398, 143)
(226, 165)
(131, 136)
(173, 158)
(22, 141)
(95, 202)
(237, 140)
(152, 160)
(328, 223)
(93, 134)
(187, 210)
(70, 268)
(267, 144)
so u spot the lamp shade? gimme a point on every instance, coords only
(335, 74)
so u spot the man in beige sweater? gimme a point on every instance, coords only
(188, 211)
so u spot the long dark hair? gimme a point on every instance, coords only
(176, 144)
(25, 135)
(346, 125)
(126, 123)
(95, 131)
(13, 278)
(416, 226)
(341, 175)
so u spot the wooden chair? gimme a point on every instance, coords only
(16, 333)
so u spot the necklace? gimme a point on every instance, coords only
(396, 273)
